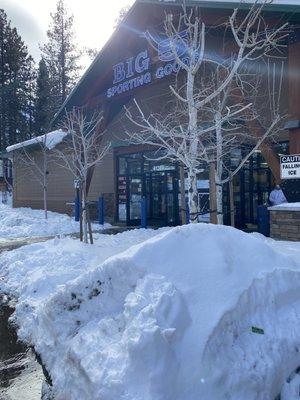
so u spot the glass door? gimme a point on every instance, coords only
(162, 198)
(135, 198)
(172, 190)
(158, 196)
(138, 177)
(133, 168)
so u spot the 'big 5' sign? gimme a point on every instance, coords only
(132, 66)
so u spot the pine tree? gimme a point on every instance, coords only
(16, 79)
(61, 55)
(43, 104)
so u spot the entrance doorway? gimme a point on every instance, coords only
(157, 181)
(162, 197)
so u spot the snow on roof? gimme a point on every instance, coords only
(50, 140)
(286, 207)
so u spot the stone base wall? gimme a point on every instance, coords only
(285, 225)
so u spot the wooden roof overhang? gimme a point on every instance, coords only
(129, 38)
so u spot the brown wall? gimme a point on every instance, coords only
(28, 191)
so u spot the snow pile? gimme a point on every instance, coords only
(291, 388)
(25, 222)
(170, 318)
(32, 273)
(50, 140)
(291, 206)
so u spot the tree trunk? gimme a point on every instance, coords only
(219, 201)
(45, 183)
(193, 196)
(193, 136)
(45, 202)
(212, 194)
(219, 169)
(90, 226)
(84, 216)
(182, 195)
(231, 202)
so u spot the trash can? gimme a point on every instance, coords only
(263, 220)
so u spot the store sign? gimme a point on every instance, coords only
(161, 168)
(135, 71)
(290, 166)
(130, 74)
(180, 42)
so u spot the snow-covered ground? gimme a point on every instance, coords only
(25, 222)
(161, 315)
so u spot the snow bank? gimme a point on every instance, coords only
(50, 140)
(32, 273)
(291, 388)
(170, 318)
(25, 222)
(286, 206)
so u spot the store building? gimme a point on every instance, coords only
(127, 68)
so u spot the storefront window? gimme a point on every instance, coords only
(135, 196)
(122, 166)
(138, 176)
(122, 198)
(134, 167)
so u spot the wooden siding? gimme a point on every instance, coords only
(28, 193)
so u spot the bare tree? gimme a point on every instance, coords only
(35, 162)
(186, 133)
(252, 108)
(82, 151)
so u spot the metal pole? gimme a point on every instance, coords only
(182, 196)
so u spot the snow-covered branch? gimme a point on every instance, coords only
(213, 109)
(84, 149)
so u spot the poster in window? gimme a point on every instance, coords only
(122, 212)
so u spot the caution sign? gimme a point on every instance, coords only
(290, 166)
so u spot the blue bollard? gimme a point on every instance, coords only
(187, 211)
(144, 212)
(77, 208)
(101, 210)
(263, 220)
